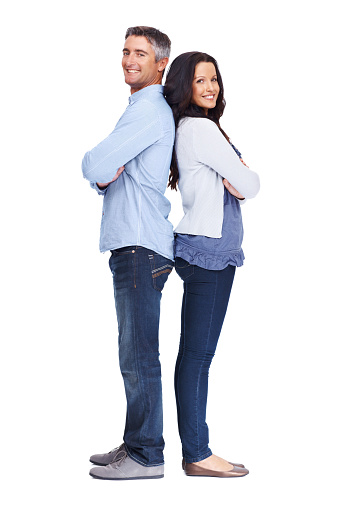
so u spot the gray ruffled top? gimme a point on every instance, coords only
(215, 253)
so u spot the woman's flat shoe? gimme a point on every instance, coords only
(193, 469)
(240, 465)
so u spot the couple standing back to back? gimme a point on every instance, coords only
(130, 168)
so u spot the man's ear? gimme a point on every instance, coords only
(162, 64)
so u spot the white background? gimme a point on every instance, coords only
(273, 382)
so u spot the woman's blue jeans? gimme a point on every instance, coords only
(139, 276)
(204, 305)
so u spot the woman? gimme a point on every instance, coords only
(212, 178)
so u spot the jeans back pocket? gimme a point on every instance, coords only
(161, 268)
(183, 268)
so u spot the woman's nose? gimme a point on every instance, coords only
(209, 86)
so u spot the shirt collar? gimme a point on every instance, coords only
(145, 92)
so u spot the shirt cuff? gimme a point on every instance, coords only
(97, 189)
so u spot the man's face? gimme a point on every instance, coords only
(139, 65)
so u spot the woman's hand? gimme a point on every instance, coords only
(117, 175)
(243, 162)
(232, 190)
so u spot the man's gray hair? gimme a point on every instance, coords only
(158, 40)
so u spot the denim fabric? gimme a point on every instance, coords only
(135, 210)
(139, 276)
(204, 305)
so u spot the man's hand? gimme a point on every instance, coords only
(232, 190)
(118, 173)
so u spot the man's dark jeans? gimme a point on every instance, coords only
(139, 275)
(204, 305)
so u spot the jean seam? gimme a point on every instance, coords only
(135, 268)
(201, 366)
(135, 343)
(140, 378)
(181, 360)
(140, 462)
(207, 342)
(199, 458)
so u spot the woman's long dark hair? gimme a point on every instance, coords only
(178, 93)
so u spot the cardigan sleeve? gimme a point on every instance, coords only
(212, 149)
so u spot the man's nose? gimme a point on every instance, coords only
(129, 60)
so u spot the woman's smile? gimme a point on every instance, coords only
(205, 88)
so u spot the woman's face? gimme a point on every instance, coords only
(205, 86)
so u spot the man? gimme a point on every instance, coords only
(130, 168)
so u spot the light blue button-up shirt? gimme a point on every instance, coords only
(135, 210)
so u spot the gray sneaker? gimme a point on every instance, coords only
(105, 459)
(124, 468)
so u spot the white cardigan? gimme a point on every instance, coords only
(204, 158)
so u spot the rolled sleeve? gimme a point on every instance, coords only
(94, 186)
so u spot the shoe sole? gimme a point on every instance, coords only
(126, 478)
(216, 476)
